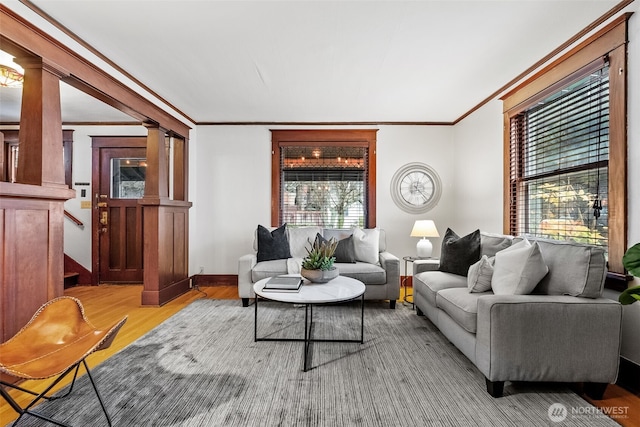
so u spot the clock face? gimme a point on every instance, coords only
(415, 188)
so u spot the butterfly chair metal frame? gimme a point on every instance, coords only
(55, 342)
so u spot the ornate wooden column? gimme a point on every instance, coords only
(166, 227)
(32, 209)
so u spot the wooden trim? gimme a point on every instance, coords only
(4, 167)
(12, 137)
(629, 375)
(100, 123)
(71, 123)
(275, 181)
(67, 147)
(506, 175)
(99, 54)
(610, 41)
(617, 192)
(372, 173)
(198, 280)
(584, 32)
(116, 141)
(369, 123)
(610, 13)
(159, 297)
(617, 282)
(600, 44)
(20, 37)
(327, 137)
(9, 189)
(180, 169)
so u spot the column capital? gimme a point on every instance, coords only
(35, 62)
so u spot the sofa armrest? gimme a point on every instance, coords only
(245, 283)
(422, 265)
(548, 338)
(391, 265)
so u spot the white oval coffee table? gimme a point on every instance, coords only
(340, 289)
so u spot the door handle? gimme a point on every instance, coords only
(104, 218)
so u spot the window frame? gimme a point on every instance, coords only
(611, 42)
(532, 152)
(323, 137)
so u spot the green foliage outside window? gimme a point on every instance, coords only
(563, 209)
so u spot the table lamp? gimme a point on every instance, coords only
(424, 228)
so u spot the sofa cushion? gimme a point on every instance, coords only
(461, 306)
(266, 269)
(367, 245)
(518, 269)
(371, 274)
(301, 238)
(490, 243)
(429, 283)
(480, 275)
(272, 244)
(345, 251)
(343, 233)
(459, 253)
(574, 269)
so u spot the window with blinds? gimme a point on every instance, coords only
(559, 163)
(323, 186)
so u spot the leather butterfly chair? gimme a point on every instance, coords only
(54, 343)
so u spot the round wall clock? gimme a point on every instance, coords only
(416, 188)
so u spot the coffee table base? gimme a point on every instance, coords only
(308, 330)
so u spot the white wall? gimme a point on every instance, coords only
(230, 184)
(478, 179)
(231, 189)
(478, 184)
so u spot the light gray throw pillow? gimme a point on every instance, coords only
(518, 269)
(367, 245)
(480, 275)
(301, 239)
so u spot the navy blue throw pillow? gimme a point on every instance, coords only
(459, 253)
(273, 245)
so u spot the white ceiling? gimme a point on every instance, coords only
(324, 61)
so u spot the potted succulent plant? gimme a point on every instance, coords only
(631, 261)
(317, 266)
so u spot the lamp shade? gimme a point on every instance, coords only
(424, 228)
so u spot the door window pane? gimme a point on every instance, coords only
(127, 178)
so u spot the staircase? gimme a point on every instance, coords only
(74, 273)
(70, 279)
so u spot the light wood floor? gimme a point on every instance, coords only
(107, 303)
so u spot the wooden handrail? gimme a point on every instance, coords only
(74, 219)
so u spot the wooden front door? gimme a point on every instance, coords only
(118, 183)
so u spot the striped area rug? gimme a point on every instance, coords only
(202, 367)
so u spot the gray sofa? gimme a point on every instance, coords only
(562, 331)
(378, 269)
